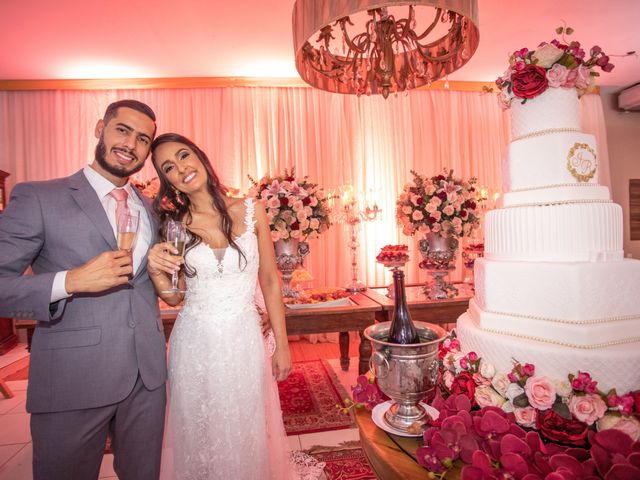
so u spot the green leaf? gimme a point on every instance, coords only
(559, 30)
(562, 410)
(521, 401)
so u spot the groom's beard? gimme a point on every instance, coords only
(116, 170)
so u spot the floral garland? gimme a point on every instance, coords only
(441, 204)
(552, 65)
(521, 425)
(295, 208)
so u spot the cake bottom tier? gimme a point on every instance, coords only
(614, 366)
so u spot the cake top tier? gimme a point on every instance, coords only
(556, 64)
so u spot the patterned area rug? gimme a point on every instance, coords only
(345, 464)
(309, 398)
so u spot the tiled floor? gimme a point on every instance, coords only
(15, 438)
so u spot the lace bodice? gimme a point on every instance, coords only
(215, 277)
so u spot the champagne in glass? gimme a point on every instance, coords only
(128, 229)
(176, 235)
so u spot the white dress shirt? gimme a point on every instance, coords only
(103, 187)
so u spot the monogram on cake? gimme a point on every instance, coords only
(554, 288)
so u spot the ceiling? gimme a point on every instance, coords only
(74, 39)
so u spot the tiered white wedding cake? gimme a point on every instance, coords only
(554, 288)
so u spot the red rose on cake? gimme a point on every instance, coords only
(559, 429)
(529, 82)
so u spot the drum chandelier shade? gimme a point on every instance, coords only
(386, 53)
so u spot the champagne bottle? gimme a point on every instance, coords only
(402, 329)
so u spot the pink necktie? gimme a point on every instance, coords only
(120, 194)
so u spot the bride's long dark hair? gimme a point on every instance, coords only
(171, 204)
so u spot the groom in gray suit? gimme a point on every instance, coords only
(98, 361)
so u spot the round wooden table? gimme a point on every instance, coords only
(391, 457)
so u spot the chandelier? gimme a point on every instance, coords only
(383, 53)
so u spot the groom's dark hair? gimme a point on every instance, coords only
(112, 110)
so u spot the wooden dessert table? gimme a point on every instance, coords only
(391, 457)
(304, 321)
(421, 307)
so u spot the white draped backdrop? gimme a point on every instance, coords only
(334, 139)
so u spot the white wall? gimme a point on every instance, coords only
(623, 138)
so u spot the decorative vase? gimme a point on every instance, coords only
(439, 255)
(290, 254)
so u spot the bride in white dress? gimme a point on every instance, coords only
(225, 420)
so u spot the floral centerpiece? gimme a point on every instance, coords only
(296, 208)
(556, 64)
(441, 204)
(520, 424)
(148, 188)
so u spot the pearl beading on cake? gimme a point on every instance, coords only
(569, 322)
(548, 131)
(563, 202)
(556, 185)
(594, 346)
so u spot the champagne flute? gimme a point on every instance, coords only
(128, 229)
(176, 235)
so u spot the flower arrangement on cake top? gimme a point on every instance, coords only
(296, 208)
(441, 204)
(552, 65)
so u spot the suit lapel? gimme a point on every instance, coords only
(87, 199)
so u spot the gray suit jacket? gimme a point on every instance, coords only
(87, 349)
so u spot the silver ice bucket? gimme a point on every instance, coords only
(405, 373)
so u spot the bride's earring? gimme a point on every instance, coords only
(178, 195)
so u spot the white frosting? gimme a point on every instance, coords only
(553, 289)
(614, 366)
(571, 292)
(554, 108)
(590, 334)
(557, 194)
(542, 161)
(571, 232)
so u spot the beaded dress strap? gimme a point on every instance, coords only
(249, 219)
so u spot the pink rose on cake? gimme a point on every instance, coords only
(541, 392)
(587, 408)
(557, 75)
(525, 417)
(486, 396)
(628, 425)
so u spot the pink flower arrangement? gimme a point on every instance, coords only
(148, 188)
(564, 411)
(552, 65)
(295, 208)
(521, 425)
(440, 204)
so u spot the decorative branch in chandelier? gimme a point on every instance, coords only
(386, 53)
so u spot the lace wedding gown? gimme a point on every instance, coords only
(224, 416)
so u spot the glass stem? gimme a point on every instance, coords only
(174, 281)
